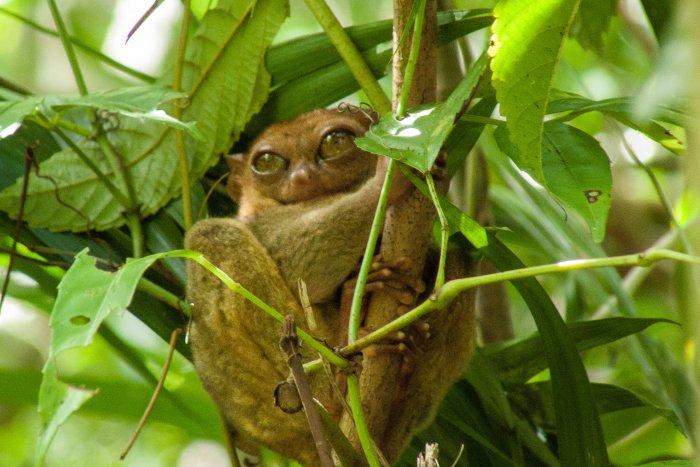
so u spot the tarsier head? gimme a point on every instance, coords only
(307, 158)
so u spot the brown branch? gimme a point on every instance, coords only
(29, 160)
(156, 393)
(406, 234)
(290, 344)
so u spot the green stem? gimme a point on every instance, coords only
(83, 46)
(113, 190)
(348, 51)
(412, 62)
(177, 113)
(158, 292)
(116, 168)
(444, 231)
(68, 47)
(451, 289)
(234, 286)
(377, 222)
(132, 216)
(360, 424)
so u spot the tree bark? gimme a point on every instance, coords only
(407, 231)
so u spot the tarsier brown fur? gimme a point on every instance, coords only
(306, 198)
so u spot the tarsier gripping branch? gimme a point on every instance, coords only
(306, 197)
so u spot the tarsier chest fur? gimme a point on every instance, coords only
(306, 197)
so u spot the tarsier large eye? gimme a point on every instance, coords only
(270, 163)
(336, 144)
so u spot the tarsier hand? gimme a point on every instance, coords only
(306, 197)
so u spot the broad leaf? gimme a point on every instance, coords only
(417, 138)
(86, 296)
(67, 195)
(592, 20)
(576, 170)
(527, 39)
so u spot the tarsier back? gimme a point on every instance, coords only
(306, 197)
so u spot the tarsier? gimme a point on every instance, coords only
(306, 197)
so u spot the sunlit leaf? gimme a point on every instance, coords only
(527, 39)
(417, 138)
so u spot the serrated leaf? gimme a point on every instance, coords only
(417, 138)
(525, 46)
(576, 170)
(68, 196)
(225, 74)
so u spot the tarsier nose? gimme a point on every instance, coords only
(301, 176)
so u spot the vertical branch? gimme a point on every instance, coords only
(407, 227)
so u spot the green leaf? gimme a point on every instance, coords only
(591, 21)
(128, 99)
(521, 361)
(609, 399)
(67, 195)
(309, 72)
(86, 296)
(576, 170)
(138, 102)
(527, 39)
(304, 55)
(225, 76)
(579, 432)
(621, 109)
(417, 138)
(659, 13)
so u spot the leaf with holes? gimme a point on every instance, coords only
(86, 296)
(576, 170)
(527, 39)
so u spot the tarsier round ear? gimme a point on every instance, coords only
(236, 166)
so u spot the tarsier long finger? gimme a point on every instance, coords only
(306, 197)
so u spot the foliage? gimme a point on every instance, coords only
(125, 169)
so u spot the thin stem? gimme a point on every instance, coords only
(234, 286)
(348, 51)
(412, 59)
(68, 47)
(663, 199)
(444, 231)
(377, 222)
(83, 46)
(113, 190)
(177, 113)
(358, 416)
(159, 293)
(451, 289)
